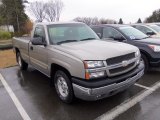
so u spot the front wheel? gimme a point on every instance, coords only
(146, 63)
(63, 87)
(22, 64)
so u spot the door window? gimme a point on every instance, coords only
(39, 32)
(109, 32)
(143, 29)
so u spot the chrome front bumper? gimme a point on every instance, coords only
(92, 94)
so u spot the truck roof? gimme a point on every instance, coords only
(50, 23)
(111, 25)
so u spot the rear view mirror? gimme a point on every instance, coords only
(150, 33)
(38, 41)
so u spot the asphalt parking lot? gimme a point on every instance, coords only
(27, 95)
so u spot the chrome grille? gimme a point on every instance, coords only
(121, 64)
(119, 69)
(119, 59)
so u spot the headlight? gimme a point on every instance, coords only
(155, 48)
(93, 64)
(137, 54)
(92, 75)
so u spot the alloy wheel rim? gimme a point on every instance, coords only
(62, 87)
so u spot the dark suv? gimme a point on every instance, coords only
(149, 47)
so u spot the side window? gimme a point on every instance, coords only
(39, 32)
(143, 29)
(109, 32)
(98, 31)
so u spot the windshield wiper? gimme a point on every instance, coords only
(88, 39)
(136, 39)
(66, 41)
(145, 37)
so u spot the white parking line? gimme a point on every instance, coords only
(128, 103)
(142, 86)
(18, 105)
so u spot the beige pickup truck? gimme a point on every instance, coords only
(78, 62)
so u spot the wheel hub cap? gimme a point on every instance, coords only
(62, 86)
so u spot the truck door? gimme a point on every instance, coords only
(38, 53)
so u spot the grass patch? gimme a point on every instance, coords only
(7, 58)
(6, 41)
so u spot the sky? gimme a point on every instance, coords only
(128, 10)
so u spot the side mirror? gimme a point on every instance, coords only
(99, 35)
(38, 41)
(119, 38)
(150, 33)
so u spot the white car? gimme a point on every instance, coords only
(151, 30)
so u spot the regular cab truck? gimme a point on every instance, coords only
(78, 62)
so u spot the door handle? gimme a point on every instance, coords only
(31, 47)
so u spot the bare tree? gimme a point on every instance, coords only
(107, 21)
(38, 10)
(87, 20)
(58, 8)
(94, 21)
(50, 11)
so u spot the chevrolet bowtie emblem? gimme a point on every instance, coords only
(125, 63)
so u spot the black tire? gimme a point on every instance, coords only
(22, 64)
(70, 96)
(146, 63)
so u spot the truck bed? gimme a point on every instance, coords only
(24, 38)
(22, 43)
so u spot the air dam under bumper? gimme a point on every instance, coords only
(92, 94)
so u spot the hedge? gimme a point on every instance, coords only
(5, 35)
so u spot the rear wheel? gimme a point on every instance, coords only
(63, 86)
(22, 64)
(145, 61)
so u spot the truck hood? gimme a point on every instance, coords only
(154, 41)
(96, 49)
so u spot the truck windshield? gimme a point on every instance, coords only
(133, 33)
(64, 33)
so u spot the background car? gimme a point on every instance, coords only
(157, 23)
(151, 30)
(149, 47)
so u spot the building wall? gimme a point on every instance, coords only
(5, 28)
